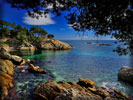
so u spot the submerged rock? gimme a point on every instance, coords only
(126, 74)
(36, 69)
(52, 90)
(100, 44)
(51, 44)
(103, 44)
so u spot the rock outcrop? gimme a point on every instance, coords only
(126, 74)
(86, 83)
(5, 55)
(51, 44)
(6, 73)
(52, 90)
(26, 46)
(46, 44)
(36, 69)
(7, 65)
(5, 46)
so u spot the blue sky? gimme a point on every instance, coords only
(52, 24)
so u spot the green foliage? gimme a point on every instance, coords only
(38, 31)
(3, 42)
(40, 39)
(51, 36)
(20, 34)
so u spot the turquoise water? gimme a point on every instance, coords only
(94, 62)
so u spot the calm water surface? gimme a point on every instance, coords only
(94, 62)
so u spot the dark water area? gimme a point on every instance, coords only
(94, 62)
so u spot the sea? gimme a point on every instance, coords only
(97, 63)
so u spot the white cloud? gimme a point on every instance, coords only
(40, 21)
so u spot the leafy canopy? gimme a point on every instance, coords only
(51, 36)
(19, 33)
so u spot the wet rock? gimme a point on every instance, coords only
(126, 74)
(23, 70)
(48, 91)
(73, 94)
(36, 69)
(24, 61)
(5, 55)
(52, 90)
(16, 59)
(120, 95)
(86, 83)
(51, 44)
(102, 93)
(27, 60)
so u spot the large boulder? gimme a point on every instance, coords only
(126, 74)
(5, 55)
(51, 44)
(6, 66)
(6, 73)
(52, 90)
(86, 83)
(26, 46)
(36, 69)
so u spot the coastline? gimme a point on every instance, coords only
(48, 62)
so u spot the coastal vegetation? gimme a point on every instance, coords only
(17, 37)
(51, 36)
(17, 33)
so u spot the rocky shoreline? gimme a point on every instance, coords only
(84, 89)
(8, 63)
(46, 44)
(7, 66)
